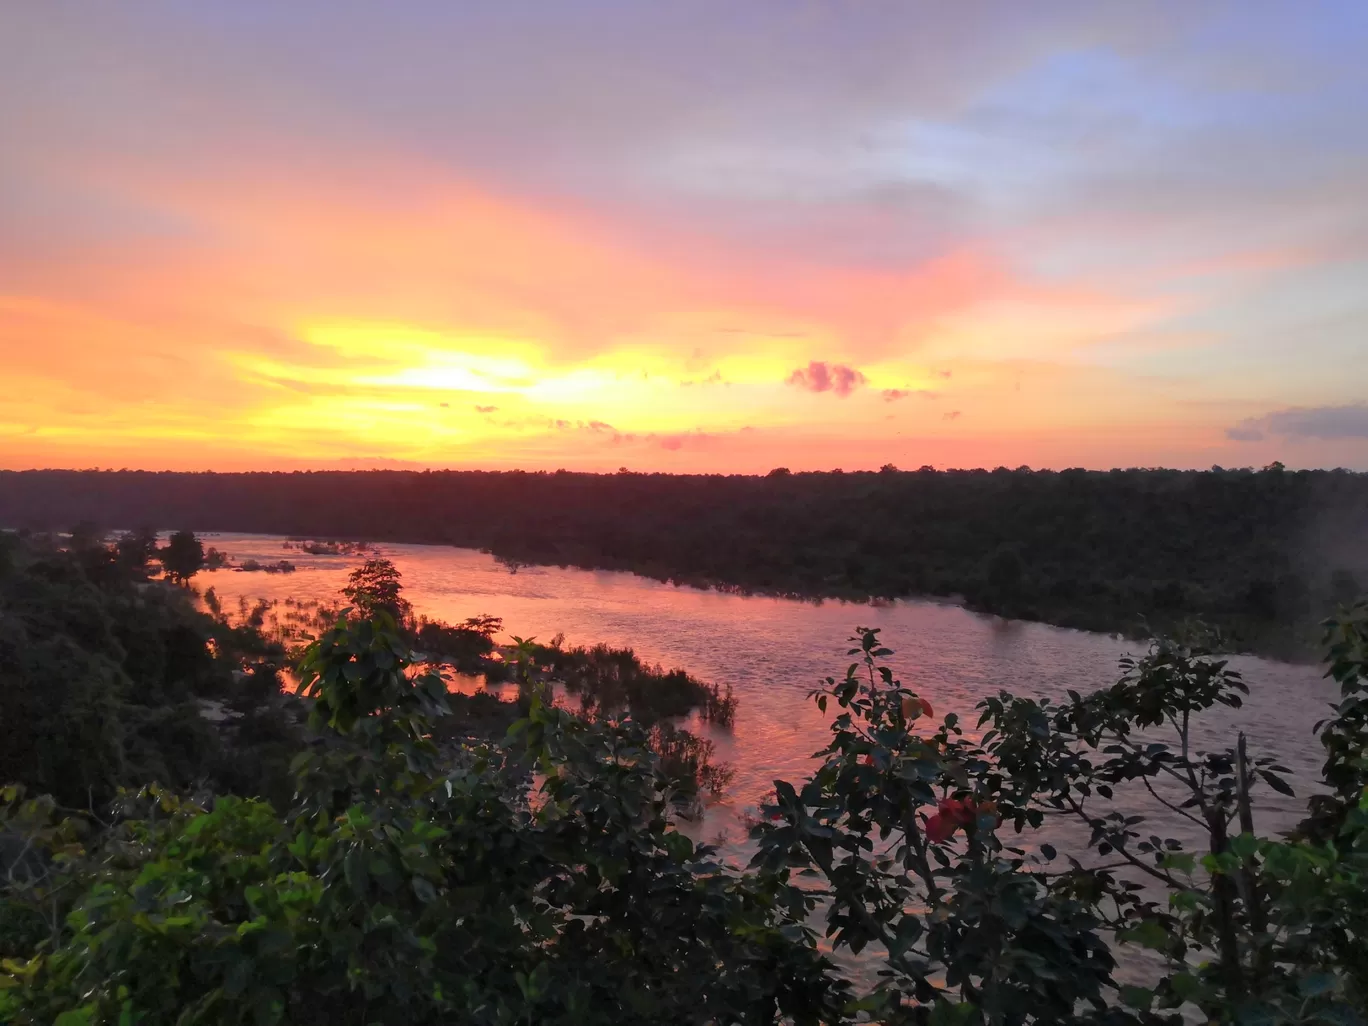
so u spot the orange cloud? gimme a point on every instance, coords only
(302, 322)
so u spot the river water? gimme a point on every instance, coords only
(773, 652)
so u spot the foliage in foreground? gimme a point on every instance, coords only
(540, 879)
(398, 889)
(909, 834)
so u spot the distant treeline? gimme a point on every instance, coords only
(1261, 554)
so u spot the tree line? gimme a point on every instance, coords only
(1263, 555)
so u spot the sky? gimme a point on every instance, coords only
(690, 236)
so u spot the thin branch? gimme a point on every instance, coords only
(1169, 805)
(1139, 864)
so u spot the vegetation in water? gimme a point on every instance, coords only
(326, 548)
(1262, 554)
(280, 566)
(539, 877)
(609, 680)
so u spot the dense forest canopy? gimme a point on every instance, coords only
(1262, 554)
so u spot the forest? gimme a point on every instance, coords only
(1262, 555)
(185, 839)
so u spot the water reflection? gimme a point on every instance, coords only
(774, 651)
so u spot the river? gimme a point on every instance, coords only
(773, 652)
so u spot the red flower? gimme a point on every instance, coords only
(939, 829)
(953, 813)
(914, 707)
(959, 811)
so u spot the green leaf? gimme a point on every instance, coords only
(1185, 986)
(1139, 998)
(1148, 934)
(1244, 845)
(1183, 861)
(354, 868)
(1277, 783)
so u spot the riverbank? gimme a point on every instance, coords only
(1234, 633)
(1263, 555)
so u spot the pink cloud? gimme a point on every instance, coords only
(892, 395)
(820, 376)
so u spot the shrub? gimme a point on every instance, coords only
(399, 889)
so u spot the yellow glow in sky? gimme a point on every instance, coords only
(1041, 238)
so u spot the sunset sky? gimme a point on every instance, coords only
(686, 235)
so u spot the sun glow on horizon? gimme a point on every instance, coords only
(1055, 240)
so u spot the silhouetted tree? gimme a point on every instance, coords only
(374, 586)
(86, 535)
(137, 548)
(183, 556)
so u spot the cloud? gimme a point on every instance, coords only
(1319, 422)
(892, 395)
(904, 186)
(691, 439)
(594, 427)
(819, 376)
(952, 415)
(715, 378)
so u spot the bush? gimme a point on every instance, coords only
(397, 889)
(905, 829)
(101, 682)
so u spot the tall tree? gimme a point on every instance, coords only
(375, 586)
(86, 535)
(137, 548)
(183, 556)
